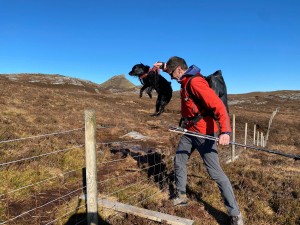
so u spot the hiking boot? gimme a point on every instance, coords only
(237, 220)
(180, 200)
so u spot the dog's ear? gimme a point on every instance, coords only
(147, 69)
(144, 67)
(139, 70)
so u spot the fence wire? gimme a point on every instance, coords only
(5, 197)
(141, 181)
(41, 155)
(39, 136)
(146, 181)
(147, 185)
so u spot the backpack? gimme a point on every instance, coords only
(215, 82)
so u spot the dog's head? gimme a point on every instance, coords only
(139, 70)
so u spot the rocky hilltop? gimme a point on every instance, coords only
(117, 83)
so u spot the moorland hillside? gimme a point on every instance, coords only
(267, 186)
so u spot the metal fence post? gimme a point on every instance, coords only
(91, 167)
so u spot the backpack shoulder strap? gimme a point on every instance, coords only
(197, 100)
(189, 90)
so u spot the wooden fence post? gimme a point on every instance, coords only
(257, 143)
(246, 131)
(254, 134)
(269, 127)
(91, 167)
(233, 138)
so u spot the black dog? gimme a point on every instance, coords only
(151, 79)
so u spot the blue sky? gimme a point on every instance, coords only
(255, 43)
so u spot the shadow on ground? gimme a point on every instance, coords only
(81, 219)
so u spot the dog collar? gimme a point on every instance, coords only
(144, 75)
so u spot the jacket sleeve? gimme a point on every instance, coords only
(211, 101)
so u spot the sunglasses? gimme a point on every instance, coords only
(171, 74)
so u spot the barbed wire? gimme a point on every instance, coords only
(39, 136)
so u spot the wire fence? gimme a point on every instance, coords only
(49, 191)
(43, 177)
(46, 186)
(42, 181)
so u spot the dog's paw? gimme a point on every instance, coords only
(141, 95)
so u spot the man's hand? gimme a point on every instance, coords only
(160, 65)
(224, 139)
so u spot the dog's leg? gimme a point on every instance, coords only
(157, 106)
(162, 107)
(149, 91)
(142, 89)
(163, 102)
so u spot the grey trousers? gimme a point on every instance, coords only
(209, 154)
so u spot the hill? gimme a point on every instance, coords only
(267, 186)
(50, 81)
(118, 83)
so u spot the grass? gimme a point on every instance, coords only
(266, 186)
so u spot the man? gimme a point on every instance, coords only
(191, 112)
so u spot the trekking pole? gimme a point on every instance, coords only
(195, 134)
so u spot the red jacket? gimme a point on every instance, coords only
(209, 100)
